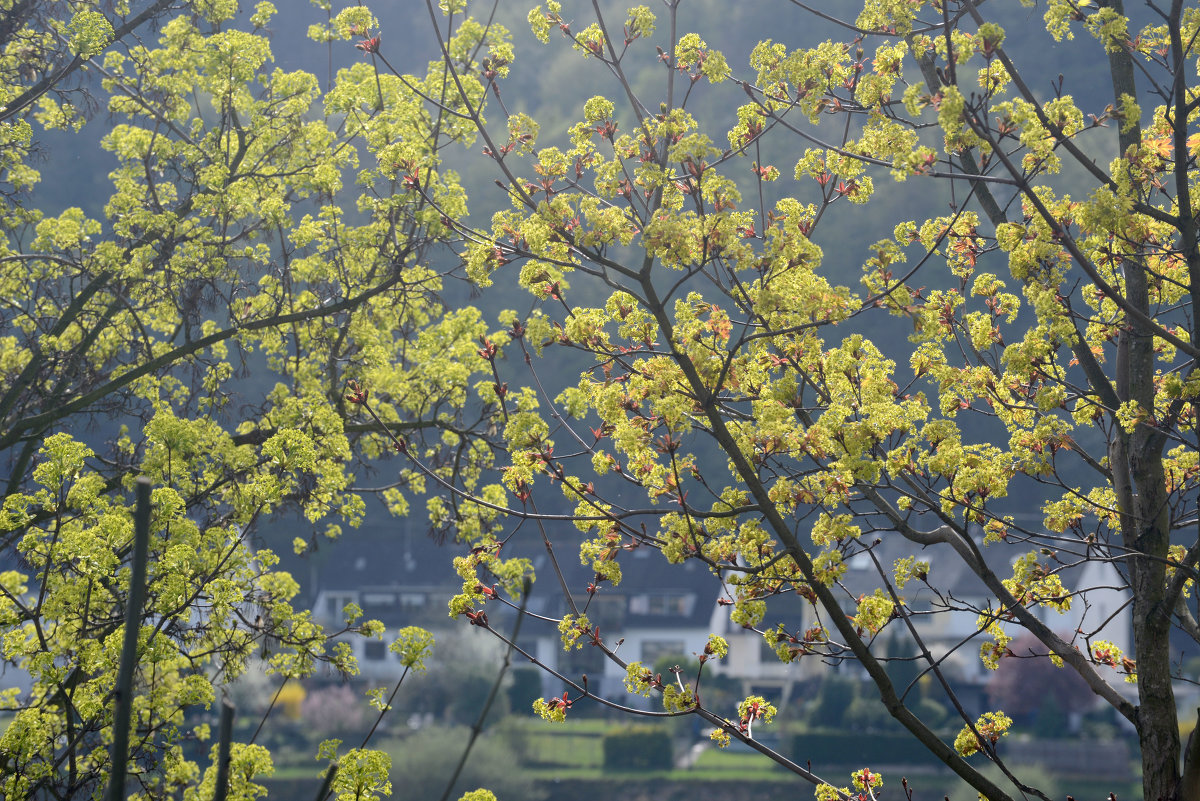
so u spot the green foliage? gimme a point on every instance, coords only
(256, 250)
(726, 374)
(701, 371)
(478, 795)
(412, 645)
(88, 33)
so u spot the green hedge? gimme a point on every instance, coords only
(638, 748)
(526, 687)
(842, 748)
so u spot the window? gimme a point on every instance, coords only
(334, 604)
(374, 650)
(859, 561)
(607, 611)
(766, 654)
(378, 603)
(672, 604)
(584, 660)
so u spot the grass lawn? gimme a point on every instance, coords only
(573, 751)
(563, 746)
(716, 759)
(314, 772)
(534, 725)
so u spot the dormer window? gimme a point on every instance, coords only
(412, 601)
(335, 603)
(674, 604)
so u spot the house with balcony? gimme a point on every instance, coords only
(401, 577)
(946, 613)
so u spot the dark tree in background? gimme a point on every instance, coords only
(1032, 689)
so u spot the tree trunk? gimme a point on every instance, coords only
(1140, 485)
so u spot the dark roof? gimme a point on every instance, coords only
(947, 571)
(393, 555)
(396, 556)
(652, 592)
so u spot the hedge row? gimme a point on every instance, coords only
(841, 748)
(638, 748)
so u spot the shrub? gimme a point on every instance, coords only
(334, 712)
(424, 762)
(526, 687)
(835, 695)
(933, 712)
(866, 714)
